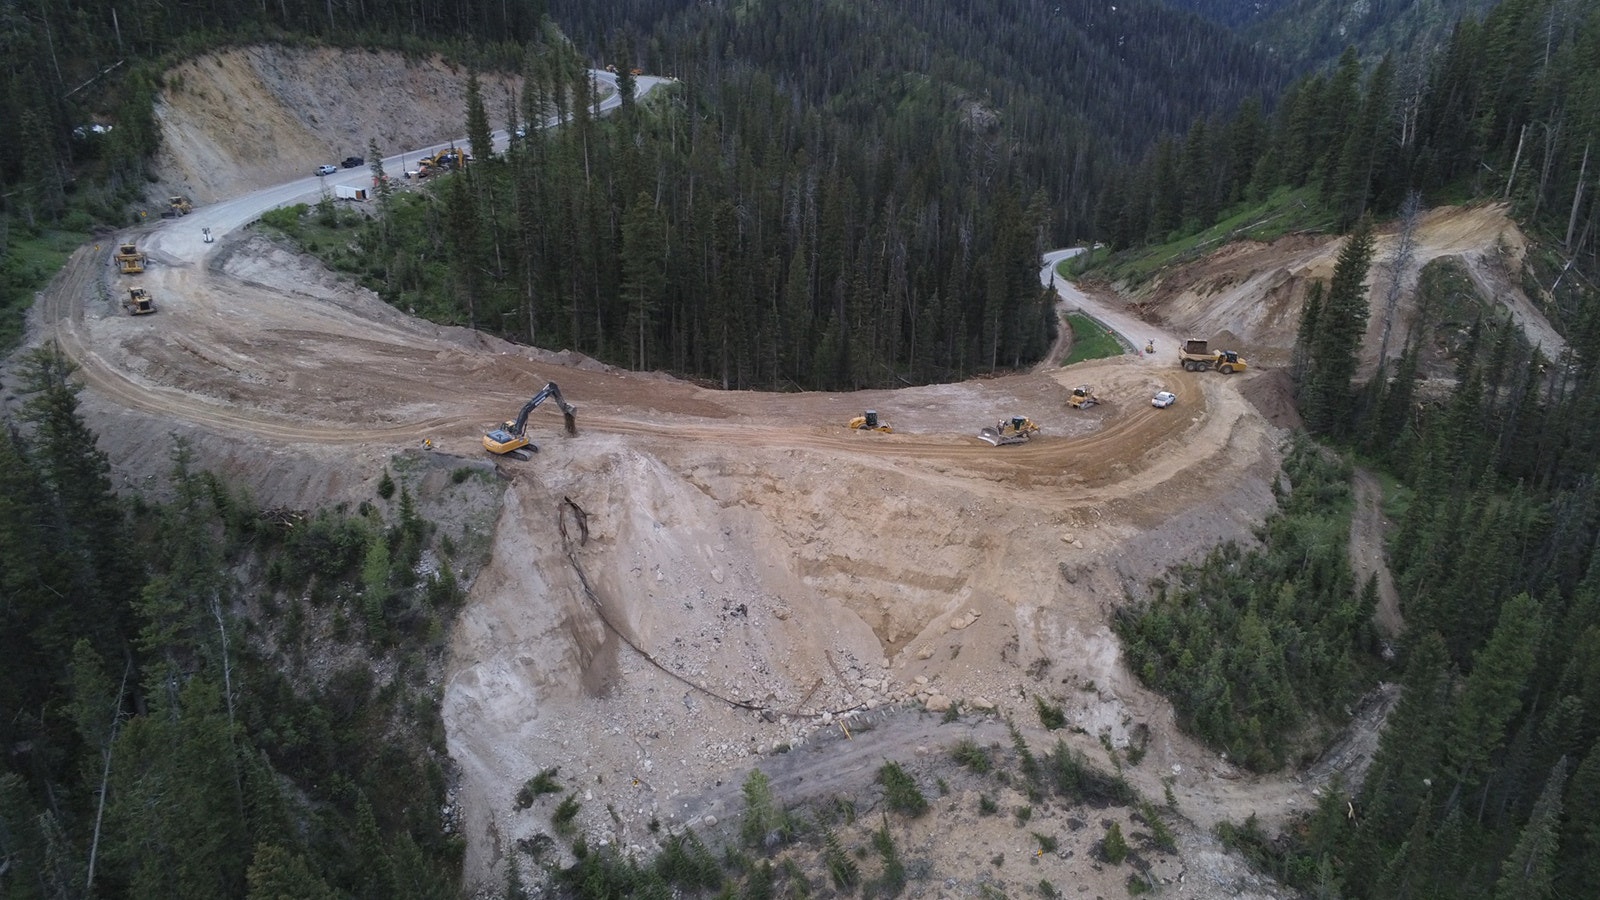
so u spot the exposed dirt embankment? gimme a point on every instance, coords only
(1249, 294)
(250, 117)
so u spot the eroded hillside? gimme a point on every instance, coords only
(250, 117)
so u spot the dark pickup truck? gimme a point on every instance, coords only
(350, 162)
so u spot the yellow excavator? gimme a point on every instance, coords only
(869, 422)
(510, 438)
(450, 159)
(129, 260)
(1015, 430)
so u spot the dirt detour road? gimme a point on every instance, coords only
(756, 577)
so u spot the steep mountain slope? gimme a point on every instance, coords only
(754, 583)
(1118, 74)
(250, 117)
(1309, 34)
(1232, 13)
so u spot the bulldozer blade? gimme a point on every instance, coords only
(571, 421)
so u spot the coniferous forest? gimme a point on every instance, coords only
(839, 195)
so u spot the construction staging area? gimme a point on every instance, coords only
(754, 574)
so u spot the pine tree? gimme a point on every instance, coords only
(1411, 751)
(1493, 691)
(479, 136)
(278, 874)
(644, 261)
(1364, 142)
(1326, 399)
(1578, 864)
(103, 575)
(1529, 873)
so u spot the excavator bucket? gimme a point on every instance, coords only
(569, 418)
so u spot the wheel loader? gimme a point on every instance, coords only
(1082, 397)
(510, 438)
(129, 260)
(139, 302)
(869, 422)
(177, 206)
(1015, 430)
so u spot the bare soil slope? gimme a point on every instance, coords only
(1250, 293)
(756, 580)
(250, 117)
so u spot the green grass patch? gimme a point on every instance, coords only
(1283, 212)
(1090, 341)
(1073, 266)
(28, 263)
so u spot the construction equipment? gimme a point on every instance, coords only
(509, 439)
(1082, 397)
(1196, 356)
(869, 422)
(129, 260)
(447, 160)
(177, 206)
(1015, 430)
(139, 302)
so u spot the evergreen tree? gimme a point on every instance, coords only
(478, 132)
(1529, 873)
(1492, 693)
(644, 262)
(1335, 338)
(278, 874)
(1578, 864)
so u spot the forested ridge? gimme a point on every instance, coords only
(1310, 34)
(1508, 108)
(1485, 780)
(833, 196)
(207, 699)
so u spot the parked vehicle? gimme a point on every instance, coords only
(1163, 399)
(350, 162)
(327, 169)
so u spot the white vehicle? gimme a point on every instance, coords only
(1163, 399)
(327, 169)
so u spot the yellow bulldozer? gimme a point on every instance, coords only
(129, 260)
(869, 421)
(177, 206)
(139, 302)
(1082, 397)
(511, 439)
(1015, 430)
